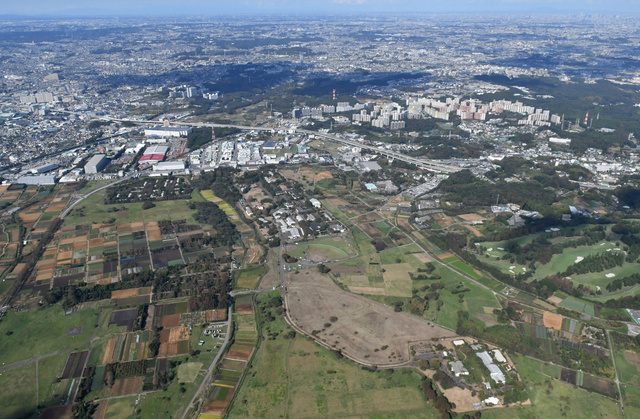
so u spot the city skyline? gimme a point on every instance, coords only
(41, 8)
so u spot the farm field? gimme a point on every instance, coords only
(249, 278)
(41, 331)
(553, 398)
(298, 377)
(313, 298)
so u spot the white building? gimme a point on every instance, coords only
(159, 131)
(315, 203)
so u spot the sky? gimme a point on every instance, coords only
(217, 7)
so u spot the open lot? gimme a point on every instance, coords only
(41, 331)
(305, 380)
(362, 326)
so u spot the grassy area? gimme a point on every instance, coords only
(50, 392)
(298, 377)
(93, 210)
(42, 331)
(121, 408)
(248, 278)
(552, 398)
(18, 395)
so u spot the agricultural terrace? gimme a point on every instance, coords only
(230, 371)
(298, 378)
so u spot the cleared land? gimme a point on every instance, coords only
(299, 379)
(362, 326)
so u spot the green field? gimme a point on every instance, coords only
(18, 395)
(121, 408)
(552, 398)
(578, 305)
(49, 369)
(305, 380)
(42, 331)
(93, 210)
(248, 278)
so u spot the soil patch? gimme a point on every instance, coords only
(554, 300)
(552, 320)
(312, 298)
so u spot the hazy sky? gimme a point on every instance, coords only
(212, 7)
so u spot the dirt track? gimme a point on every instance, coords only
(363, 325)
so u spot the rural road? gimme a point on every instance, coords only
(207, 377)
(615, 368)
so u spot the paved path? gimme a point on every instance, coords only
(205, 381)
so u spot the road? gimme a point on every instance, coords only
(207, 377)
(251, 292)
(68, 209)
(615, 368)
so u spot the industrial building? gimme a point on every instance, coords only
(37, 180)
(96, 164)
(160, 131)
(44, 168)
(169, 166)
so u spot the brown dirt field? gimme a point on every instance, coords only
(109, 349)
(131, 292)
(137, 226)
(44, 275)
(80, 245)
(462, 399)
(633, 358)
(423, 257)
(445, 256)
(338, 202)
(3, 189)
(213, 408)
(239, 355)
(153, 234)
(18, 268)
(271, 278)
(126, 386)
(554, 300)
(96, 242)
(472, 217)
(313, 297)
(396, 271)
(29, 218)
(164, 335)
(244, 309)
(65, 255)
(171, 320)
(178, 333)
(474, 231)
(323, 175)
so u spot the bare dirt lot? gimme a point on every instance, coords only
(552, 320)
(362, 326)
